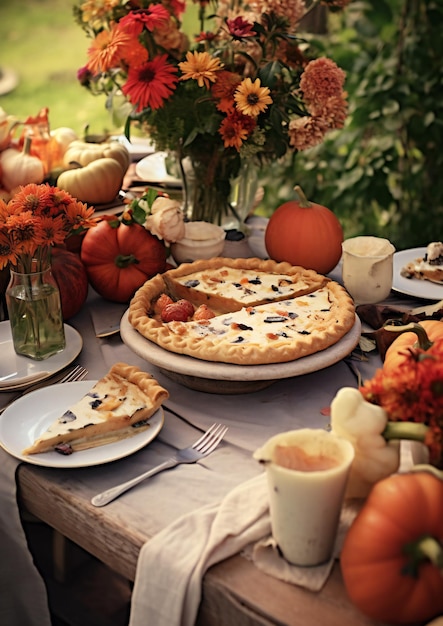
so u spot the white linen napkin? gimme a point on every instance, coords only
(22, 591)
(171, 566)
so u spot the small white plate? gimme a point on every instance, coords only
(413, 286)
(31, 415)
(17, 372)
(152, 169)
(138, 147)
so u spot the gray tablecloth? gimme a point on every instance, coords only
(252, 418)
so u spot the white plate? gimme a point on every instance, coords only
(138, 147)
(17, 372)
(413, 286)
(182, 364)
(152, 169)
(31, 415)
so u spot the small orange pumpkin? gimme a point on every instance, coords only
(304, 233)
(400, 348)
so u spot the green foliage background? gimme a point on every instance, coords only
(382, 174)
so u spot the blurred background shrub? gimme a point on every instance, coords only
(382, 174)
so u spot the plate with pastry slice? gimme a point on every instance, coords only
(418, 272)
(85, 423)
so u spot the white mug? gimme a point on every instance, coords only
(307, 472)
(367, 268)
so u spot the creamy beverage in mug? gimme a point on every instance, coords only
(307, 471)
(367, 268)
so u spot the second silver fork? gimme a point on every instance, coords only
(75, 374)
(200, 449)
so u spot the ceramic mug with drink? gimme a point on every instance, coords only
(307, 471)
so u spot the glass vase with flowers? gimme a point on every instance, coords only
(245, 92)
(35, 219)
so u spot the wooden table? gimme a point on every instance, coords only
(235, 592)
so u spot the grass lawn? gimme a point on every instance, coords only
(41, 42)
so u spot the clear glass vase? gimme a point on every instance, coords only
(212, 193)
(35, 315)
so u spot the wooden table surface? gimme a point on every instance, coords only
(235, 592)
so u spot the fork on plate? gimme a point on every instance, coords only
(199, 449)
(74, 375)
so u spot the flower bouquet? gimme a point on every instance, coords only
(243, 94)
(37, 218)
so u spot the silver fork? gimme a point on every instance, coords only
(76, 374)
(201, 448)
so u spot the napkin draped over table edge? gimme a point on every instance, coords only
(171, 566)
(19, 577)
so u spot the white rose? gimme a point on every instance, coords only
(166, 220)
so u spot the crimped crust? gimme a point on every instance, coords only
(109, 420)
(313, 315)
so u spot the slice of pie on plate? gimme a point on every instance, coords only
(119, 405)
(242, 311)
(429, 267)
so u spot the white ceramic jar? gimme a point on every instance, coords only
(202, 240)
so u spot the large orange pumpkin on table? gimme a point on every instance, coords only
(119, 258)
(392, 556)
(304, 233)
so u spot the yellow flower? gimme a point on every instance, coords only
(201, 67)
(251, 98)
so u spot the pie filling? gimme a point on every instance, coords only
(286, 319)
(231, 288)
(242, 311)
(119, 405)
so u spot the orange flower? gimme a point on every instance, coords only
(223, 90)
(31, 197)
(251, 98)
(50, 231)
(235, 129)
(8, 253)
(414, 393)
(109, 49)
(233, 134)
(36, 218)
(79, 216)
(201, 67)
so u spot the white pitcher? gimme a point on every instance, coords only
(367, 268)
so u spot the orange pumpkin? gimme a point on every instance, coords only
(304, 233)
(119, 258)
(400, 349)
(392, 555)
